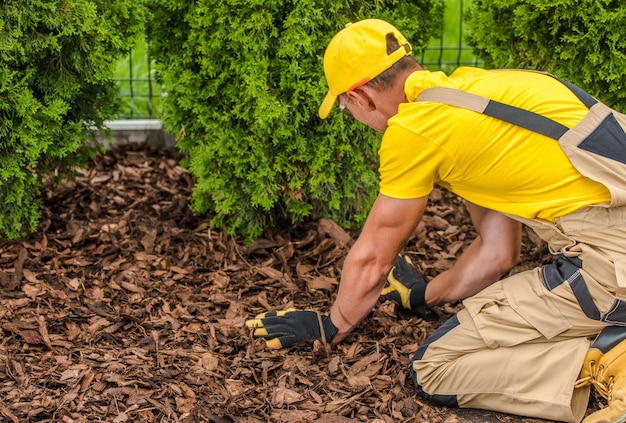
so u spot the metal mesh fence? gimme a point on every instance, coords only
(141, 94)
(449, 49)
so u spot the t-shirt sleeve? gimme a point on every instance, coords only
(410, 165)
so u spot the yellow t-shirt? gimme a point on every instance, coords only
(487, 161)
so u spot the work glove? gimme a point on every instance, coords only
(407, 288)
(285, 328)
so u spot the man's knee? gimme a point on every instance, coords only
(425, 373)
(446, 400)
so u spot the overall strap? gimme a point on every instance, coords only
(582, 95)
(505, 112)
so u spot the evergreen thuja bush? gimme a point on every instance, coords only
(56, 89)
(244, 81)
(581, 41)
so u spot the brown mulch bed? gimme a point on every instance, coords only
(125, 307)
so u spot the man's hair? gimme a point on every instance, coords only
(386, 79)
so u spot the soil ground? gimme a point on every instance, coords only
(125, 307)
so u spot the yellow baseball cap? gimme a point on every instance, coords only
(358, 54)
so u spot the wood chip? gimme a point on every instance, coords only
(128, 307)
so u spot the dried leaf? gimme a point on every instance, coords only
(358, 381)
(30, 276)
(179, 270)
(284, 396)
(69, 374)
(330, 228)
(121, 418)
(209, 361)
(141, 256)
(132, 287)
(31, 291)
(270, 272)
(322, 282)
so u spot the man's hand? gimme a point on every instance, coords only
(285, 328)
(407, 288)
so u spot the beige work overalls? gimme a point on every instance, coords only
(517, 346)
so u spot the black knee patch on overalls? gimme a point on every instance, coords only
(447, 400)
(567, 270)
(609, 338)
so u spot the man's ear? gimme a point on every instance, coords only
(364, 97)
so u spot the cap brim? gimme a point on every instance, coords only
(327, 105)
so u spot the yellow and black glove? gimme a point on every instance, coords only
(285, 328)
(407, 288)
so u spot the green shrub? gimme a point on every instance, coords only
(580, 41)
(56, 89)
(244, 80)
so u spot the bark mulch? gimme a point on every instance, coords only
(125, 307)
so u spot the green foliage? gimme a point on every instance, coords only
(581, 41)
(244, 82)
(56, 88)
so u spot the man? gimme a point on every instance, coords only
(508, 148)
